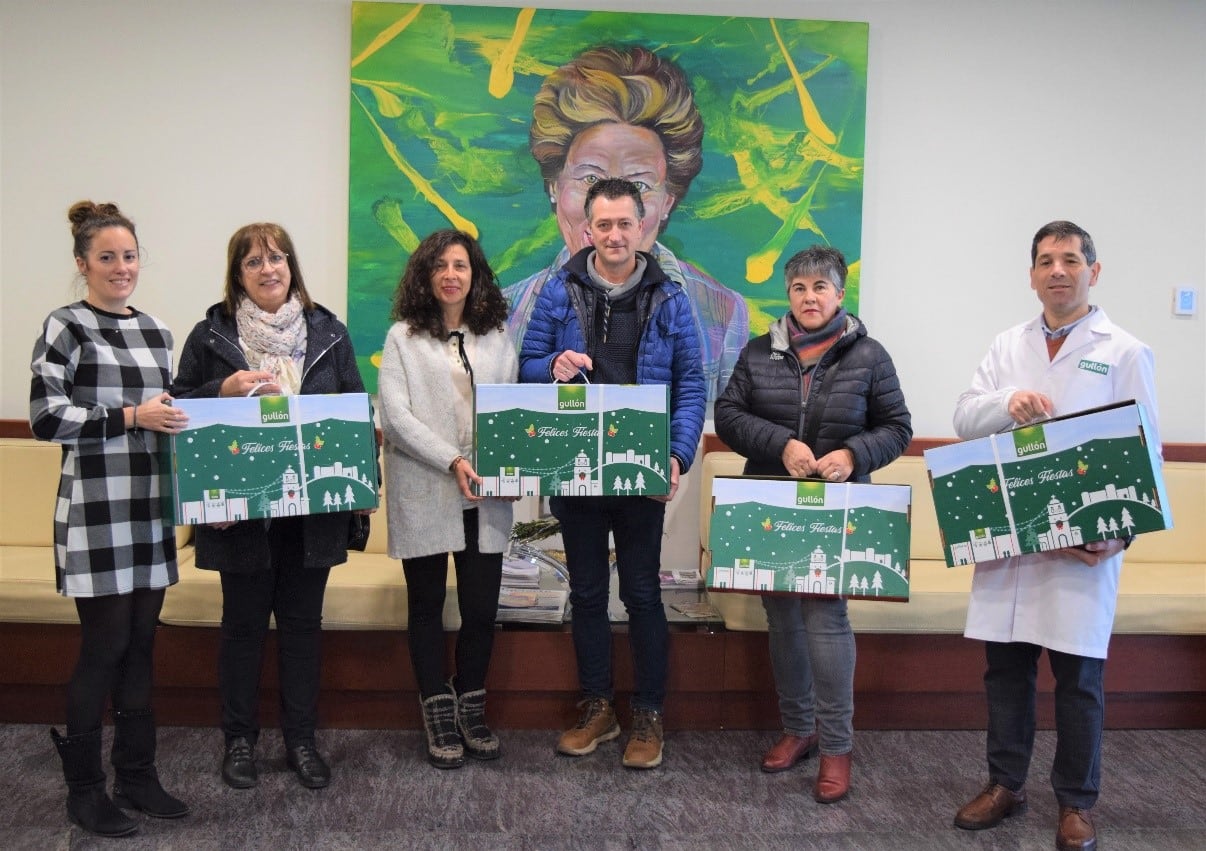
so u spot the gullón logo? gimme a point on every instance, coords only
(810, 493)
(1030, 440)
(1095, 366)
(571, 397)
(274, 409)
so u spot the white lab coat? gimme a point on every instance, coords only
(1052, 599)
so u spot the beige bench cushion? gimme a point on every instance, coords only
(27, 592)
(29, 483)
(369, 592)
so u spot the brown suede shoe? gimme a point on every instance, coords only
(597, 725)
(833, 779)
(990, 806)
(1076, 831)
(645, 744)
(788, 751)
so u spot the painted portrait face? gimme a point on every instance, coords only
(814, 300)
(612, 150)
(1061, 278)
(110, 269)
(265, 276)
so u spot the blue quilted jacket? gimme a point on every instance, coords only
(668, 352)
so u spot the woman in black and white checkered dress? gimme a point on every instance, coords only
(101, 370)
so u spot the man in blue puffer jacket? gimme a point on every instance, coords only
(611, 315)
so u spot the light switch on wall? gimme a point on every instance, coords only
(1185, 301)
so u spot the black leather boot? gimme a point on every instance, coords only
(136, 785)
(87, 804)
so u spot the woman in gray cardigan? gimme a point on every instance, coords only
(448, 334)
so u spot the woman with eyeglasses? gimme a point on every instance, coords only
(100, 376)
(448, 334)
(267, 336)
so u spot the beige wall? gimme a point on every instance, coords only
(985, 119)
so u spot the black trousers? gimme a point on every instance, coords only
(293, 594)
(478, 576)
(1079, 719)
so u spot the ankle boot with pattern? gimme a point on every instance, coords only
(444, 747)
(87, 804)
(479, 742)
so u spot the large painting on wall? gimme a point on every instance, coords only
(745, 135)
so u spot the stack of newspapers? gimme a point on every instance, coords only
(533, 587)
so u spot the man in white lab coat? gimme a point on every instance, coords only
(1069, 358)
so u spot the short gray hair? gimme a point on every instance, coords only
(817, 260)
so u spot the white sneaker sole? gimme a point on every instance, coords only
(607, 736)
(654, 763)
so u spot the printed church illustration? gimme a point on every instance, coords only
(584, 479)
(217, 507)
(745, 575)
(981, 545)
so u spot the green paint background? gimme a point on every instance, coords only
(427, 91)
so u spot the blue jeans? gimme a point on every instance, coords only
(812, 655)
(1079, 718)
(636, 523)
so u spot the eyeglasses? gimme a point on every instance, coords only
(254, 264)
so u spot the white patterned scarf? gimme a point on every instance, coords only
(275, 342)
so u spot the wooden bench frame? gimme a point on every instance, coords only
(718, 679)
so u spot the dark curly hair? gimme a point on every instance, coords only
(485, 309)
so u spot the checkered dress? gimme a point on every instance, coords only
(112, 520)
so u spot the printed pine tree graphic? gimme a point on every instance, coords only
(993, 487)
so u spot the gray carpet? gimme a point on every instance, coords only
(709, 794)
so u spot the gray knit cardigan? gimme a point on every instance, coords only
(418, 421)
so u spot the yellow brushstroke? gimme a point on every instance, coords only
(389, 105)
(812, 117)
(388, 34)
(812, 150)
(420, 182)
(375, 359)
(758, 192)
(761, 265)
(502, 73)
(760, 318)
(388, 214)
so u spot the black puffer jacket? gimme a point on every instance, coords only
(854, 401)
(212, 353)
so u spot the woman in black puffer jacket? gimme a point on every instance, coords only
(814, 397)
(268, 336)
